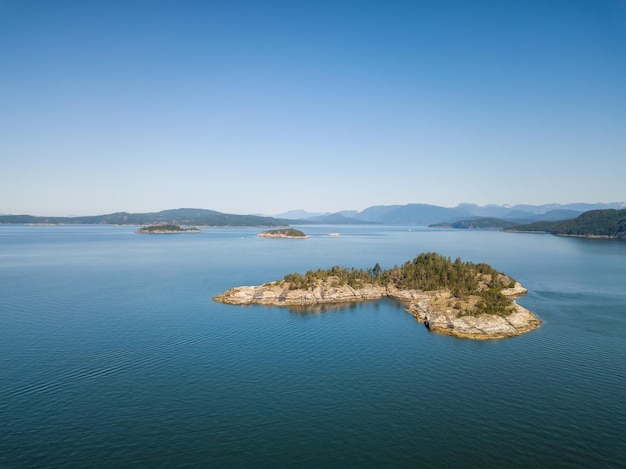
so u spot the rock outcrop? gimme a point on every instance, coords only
(437, 317)
(279, 294)
(166, 229)
(289, 233)
(438, 310)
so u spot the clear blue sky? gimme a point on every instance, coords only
(266, 106)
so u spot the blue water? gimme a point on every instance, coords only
(112, 354)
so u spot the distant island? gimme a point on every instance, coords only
(456, 298)
(283, 233)
(180, 216)
(607, 223)
(165, 229)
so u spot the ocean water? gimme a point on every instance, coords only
(113, 354)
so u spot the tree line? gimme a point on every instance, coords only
(427, 272)
(607, 222)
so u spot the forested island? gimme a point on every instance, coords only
(283, 233)
(608, 223)
(450, 297)
(180, 216)
(166, 229)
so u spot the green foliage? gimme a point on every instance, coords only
(159, 228)
(494, 302)
(427, 272)
(338, 276)
(431, 271)
(285, 232)
(609, 222)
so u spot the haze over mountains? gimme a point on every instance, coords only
(425, 214)
(410, 214)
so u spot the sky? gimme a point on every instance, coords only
(268, 106)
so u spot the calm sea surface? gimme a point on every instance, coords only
(112, 354)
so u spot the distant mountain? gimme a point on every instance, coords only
(490, 211)
(298, 214)
(552, 215)
(412, 214)
(531, 211)
(345, 217)
(608, 223)
(480, 223)
(424, 214)
(377, 213)
(336, 219)
(181, 216)
(349, 213)
(577, 207)
(492, 223)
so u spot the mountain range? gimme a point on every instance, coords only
(425, 214)
(410, 214)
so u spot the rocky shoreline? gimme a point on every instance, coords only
(437, 310)
(167, 231)
(282, 236)
(437, 318)
(289, 233)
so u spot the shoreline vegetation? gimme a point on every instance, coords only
(283, 233)
(456, 298)
(165, 229)
(594, 224)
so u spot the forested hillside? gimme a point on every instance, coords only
(609, 223)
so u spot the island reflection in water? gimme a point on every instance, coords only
(346, 306)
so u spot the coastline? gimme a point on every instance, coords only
(268, 235)
(287, 233)
(167, 231)
(432, 308)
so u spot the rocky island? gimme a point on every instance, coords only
(283, 233)
(165, 229)
(457, 298)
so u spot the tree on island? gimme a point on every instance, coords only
(427, 272)
(283, 233)
(166, 228)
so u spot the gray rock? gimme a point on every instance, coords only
(431, 308)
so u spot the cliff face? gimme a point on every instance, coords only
(438, 310)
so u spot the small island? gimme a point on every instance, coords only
(456, 298)
(165, 229)
(283, 233)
